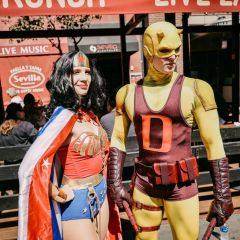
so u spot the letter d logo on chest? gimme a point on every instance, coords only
(156, 133)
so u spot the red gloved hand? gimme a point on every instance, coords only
(114, 177)
(221, 207)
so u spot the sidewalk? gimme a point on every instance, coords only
(165, 231)
(8, 228)
(233, 223)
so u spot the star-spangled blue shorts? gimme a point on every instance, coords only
(79, 207)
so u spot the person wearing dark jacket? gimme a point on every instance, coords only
(14, 130)
(107, 120)
(34, 111)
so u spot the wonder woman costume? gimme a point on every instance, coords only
(84, 160)
(40, 215)
(164, 107)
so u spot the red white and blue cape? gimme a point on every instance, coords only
(39, 216)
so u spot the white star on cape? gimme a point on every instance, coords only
(45, 163)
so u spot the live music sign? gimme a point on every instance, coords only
(17, 50)
(71, 7)
(27, 67)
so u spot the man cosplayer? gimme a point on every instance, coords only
(164, 106)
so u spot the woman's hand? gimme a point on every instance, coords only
(62, 195)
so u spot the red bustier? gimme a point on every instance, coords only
(85, 155)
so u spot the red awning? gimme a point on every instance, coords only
(77, 7)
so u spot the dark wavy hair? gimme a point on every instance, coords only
(62, 91)
(11, 118)
(12, 110)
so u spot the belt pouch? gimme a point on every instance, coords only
(187, 169)
(165, 173)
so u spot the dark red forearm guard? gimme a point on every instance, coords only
(114, 177)
(221, 207)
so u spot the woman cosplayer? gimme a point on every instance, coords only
(62, 177)
(164, 106)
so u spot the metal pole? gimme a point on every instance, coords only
(235, 74)
(186, 60)
(170, 17)
(124, 57)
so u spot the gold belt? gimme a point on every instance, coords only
(83, 183)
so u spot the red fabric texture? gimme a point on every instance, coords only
(114, 225)
(83, 156)
(76, 166)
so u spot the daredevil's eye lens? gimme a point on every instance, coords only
(164, 50)
(177, 50)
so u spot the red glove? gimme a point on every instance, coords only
(221, 207)
(114, 177)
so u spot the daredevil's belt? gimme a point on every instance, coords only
(169, 173)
